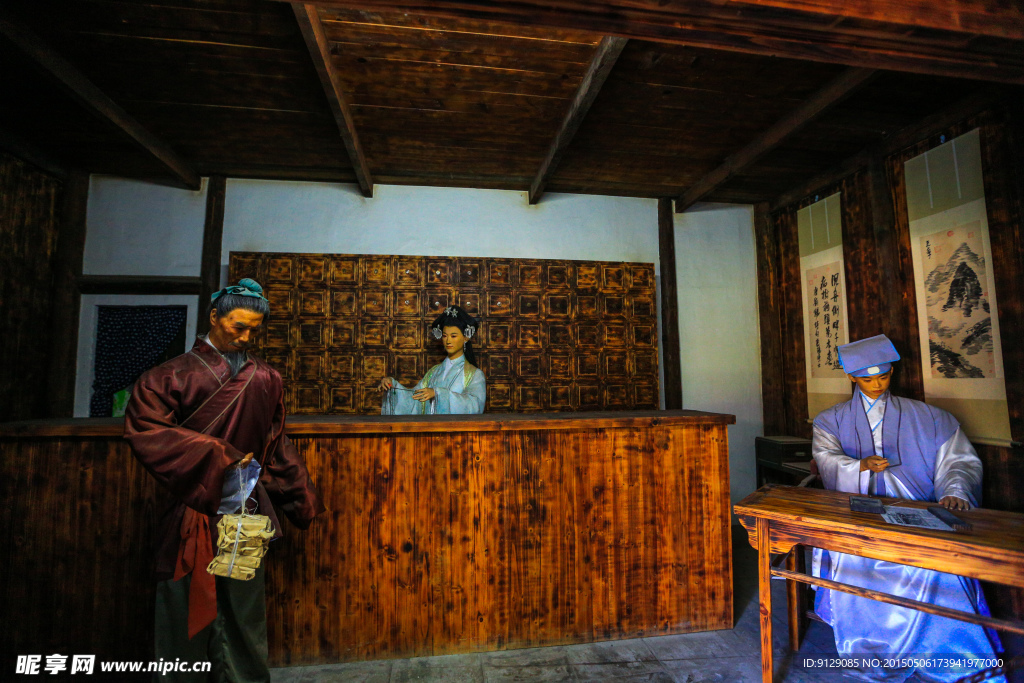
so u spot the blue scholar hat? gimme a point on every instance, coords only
(868, 357)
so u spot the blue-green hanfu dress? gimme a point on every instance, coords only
(459, 388)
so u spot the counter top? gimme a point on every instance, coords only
(331, 425)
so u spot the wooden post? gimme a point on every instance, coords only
(213, 234)
(669, 306)
(764, 591)
(67, 300)
(773, 405)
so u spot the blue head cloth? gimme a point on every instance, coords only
(245, 287)
(868, 357)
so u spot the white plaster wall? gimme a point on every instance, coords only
(264, 215)
(138, 228)
(719, 341)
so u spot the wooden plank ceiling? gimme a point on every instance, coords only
(231, 86)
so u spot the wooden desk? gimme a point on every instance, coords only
(780, 519)
(443, 534)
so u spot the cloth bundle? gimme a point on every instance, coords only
(242, 543)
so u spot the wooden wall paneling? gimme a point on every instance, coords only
(769, 291)
(483, 540)
(1002, 143)
(30, 231)
(213, 233)
(66, 298)
(892, 244)
(669, 306)
(554, 335)
(138, 284)
(58, 493)
(865, 297)
(793, 359)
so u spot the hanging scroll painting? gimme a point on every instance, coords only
(823, 288)
(955, 287)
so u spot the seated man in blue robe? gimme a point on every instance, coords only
(879, 444)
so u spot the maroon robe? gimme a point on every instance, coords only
(188, 421)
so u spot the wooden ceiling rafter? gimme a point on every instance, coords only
(954, 38)
(828, 96)
(86, 93)
(308, 17)
(600, 66)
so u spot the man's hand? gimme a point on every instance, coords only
(385, 384)
(424, 394)
(244, 462)
(954, 503)
(875, 463)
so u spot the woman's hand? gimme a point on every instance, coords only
(954, 503)
(385, 384)
(875, 463)
(424, 395)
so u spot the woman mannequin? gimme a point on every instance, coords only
(455, 387)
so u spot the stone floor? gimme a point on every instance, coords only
(727, 656)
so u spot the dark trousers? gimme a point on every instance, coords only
(235, 643)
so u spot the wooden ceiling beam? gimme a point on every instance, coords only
(607, 53)
(815, 106)
(308, 17)
(937, 37)
(95, 100)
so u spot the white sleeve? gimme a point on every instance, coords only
(958, 470)
(839, 471)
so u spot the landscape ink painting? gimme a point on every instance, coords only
(957, 302)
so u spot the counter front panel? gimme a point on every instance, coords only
(441, 536)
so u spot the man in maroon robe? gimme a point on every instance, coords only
(191, 422)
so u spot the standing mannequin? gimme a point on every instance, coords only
(193, 422)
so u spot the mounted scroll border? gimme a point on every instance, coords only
(955, 288)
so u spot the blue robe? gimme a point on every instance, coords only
(935, 460)
(459, 389)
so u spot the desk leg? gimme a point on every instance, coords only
(795, 598)
(764, 589)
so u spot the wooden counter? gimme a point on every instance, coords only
(446, 534)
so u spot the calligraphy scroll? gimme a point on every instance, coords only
(823, 284)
